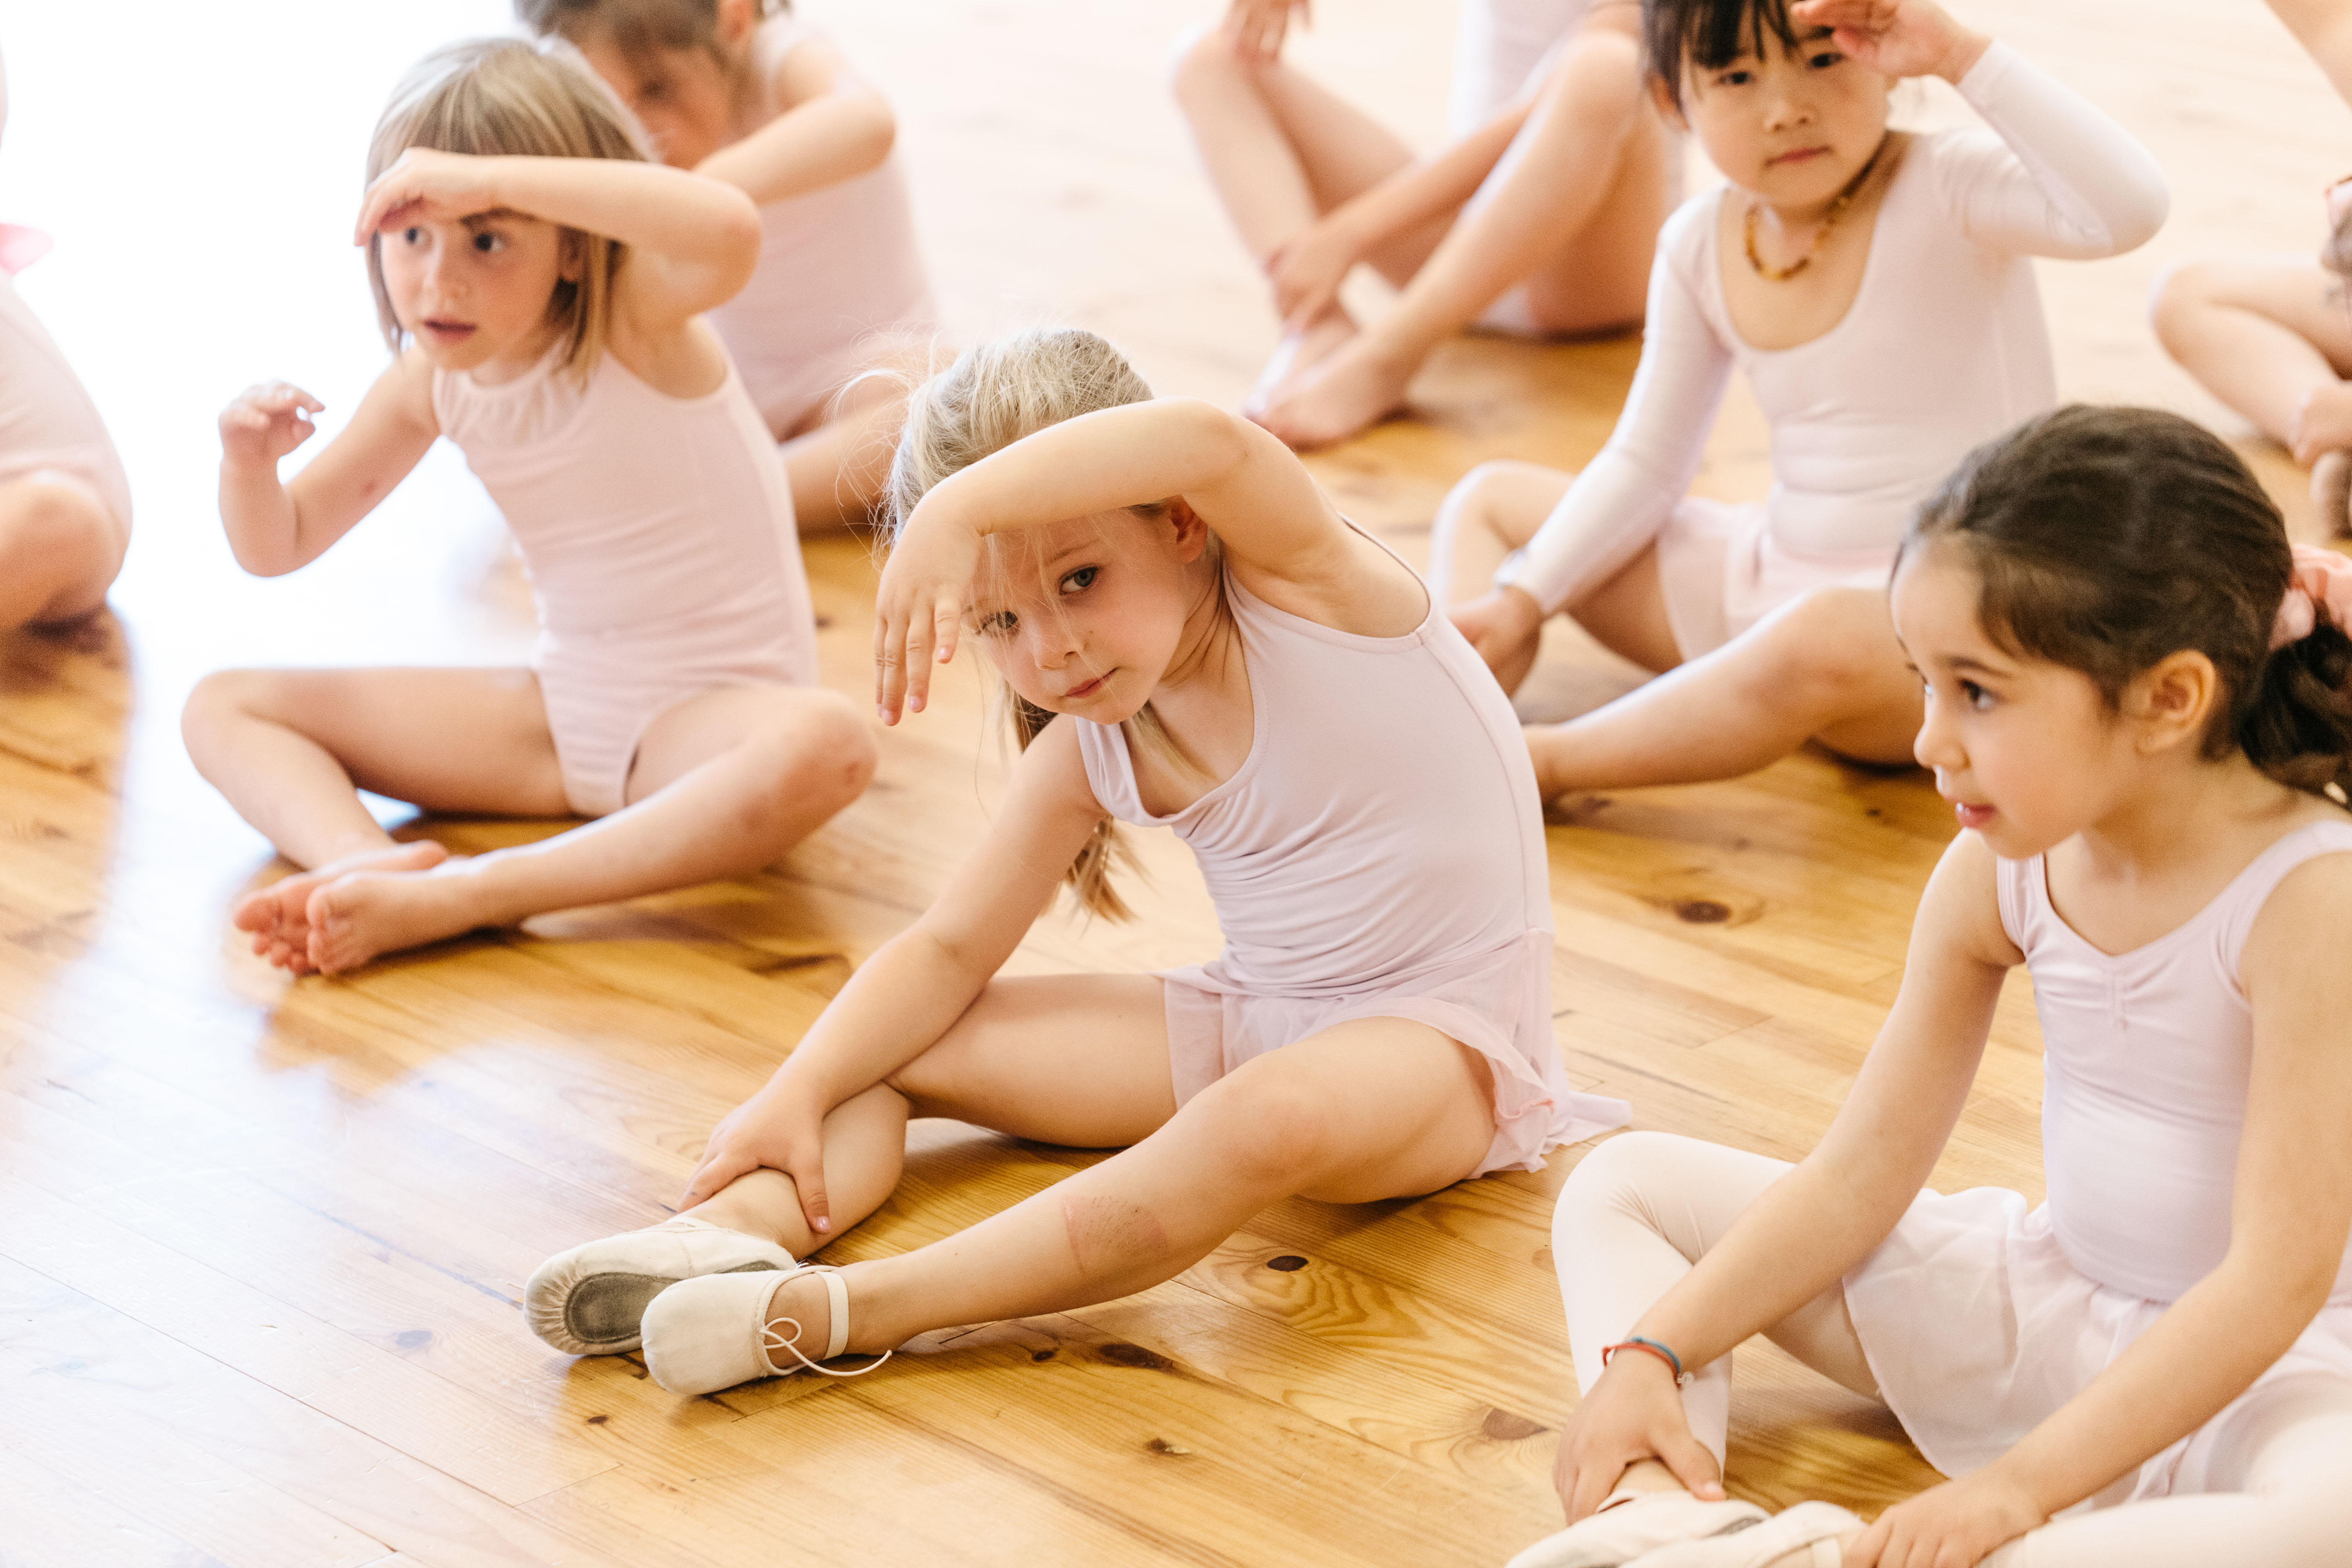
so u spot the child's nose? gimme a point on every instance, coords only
(1935, 746)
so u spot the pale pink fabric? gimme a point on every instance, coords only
(2147, 1056)
(1380, 852)
(1943, 348)
(48, 423)
(841, 274)
(2321, 579)
(659, 537)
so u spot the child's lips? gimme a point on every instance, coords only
(1798, 155)
(1085, 689)
(1971, 815)
(449, 331)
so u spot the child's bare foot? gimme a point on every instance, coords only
(1298, 353)
(1352, 390)
(363, 915)
(279, 914)
(2331, 491)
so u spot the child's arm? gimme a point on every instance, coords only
(1814, 1225)
(692, 242)
(1624, 495)
(2069, 182)
(1256, 28)
(1281, 535)
(834, 127)
(2323, 28)
(275, 528)
(916, 984)
(2291, 1215)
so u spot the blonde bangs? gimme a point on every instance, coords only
(503, 98)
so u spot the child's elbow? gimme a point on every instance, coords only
(878, 125)
(2141, 213)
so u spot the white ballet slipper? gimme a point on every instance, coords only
(590, 1300)
(706, 1334)
(1811, 1526)
(1644, 1521)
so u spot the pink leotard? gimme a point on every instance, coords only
(1380, 852)
(2146, 1064)
(1943, 348)
(659, 534)
(840, 269)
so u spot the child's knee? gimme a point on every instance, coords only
(1202, 61)
(822, 749)
(1609, 1182)
(218, 701)
(1264, 1127)
(2180, 294)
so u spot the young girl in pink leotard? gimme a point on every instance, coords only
(744, 91)
(1877, 290)
(64, 501)
(1193, 638)
(2137, 704)
(542, 285)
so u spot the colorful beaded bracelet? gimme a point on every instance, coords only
(1638, 1344)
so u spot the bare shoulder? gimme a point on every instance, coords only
(1052, 772)
(1961, 907)
(2302, 921)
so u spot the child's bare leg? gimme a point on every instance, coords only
(1572, 210)
(839, 459)
(1281, 151)
(1375, 1109)
(60, 547)
(723, 783)
(2270, 337)
(1824, 668)
(289, 748)
(1078, 1060)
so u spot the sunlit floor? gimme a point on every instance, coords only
(260, 1244)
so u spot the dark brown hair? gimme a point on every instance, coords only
(2105, 539)
(1709, 34)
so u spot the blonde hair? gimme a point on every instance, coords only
(501, 96)
(995, 394)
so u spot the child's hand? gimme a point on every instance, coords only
(1898, 37)
(424, 183)
(265, 423)
(1307, 272)
(1256, 28)
(778, 1129)
(918, 609)
(1956, 1525)
(1633, 1412)
(1505, 626)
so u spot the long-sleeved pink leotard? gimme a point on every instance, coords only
(1943, 348)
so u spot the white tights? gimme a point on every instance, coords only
(2268, 1483)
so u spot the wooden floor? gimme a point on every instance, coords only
(261, 1244)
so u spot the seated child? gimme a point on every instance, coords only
(1874, 287)
(2136, 704)
(1194, 638)
(541, 284)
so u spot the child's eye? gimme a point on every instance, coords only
(489, 244)
(1080, 581)
(1824, 60)
(412, 236)
(1735, 78)
(1977, 696)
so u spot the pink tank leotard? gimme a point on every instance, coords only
(840, 271)
(1943, 348)
(1380, 852)
(659, 534)
(2145, 1061)
(48, 422)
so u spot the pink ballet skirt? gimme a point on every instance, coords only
(1721, 569)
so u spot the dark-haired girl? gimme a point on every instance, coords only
(2136, 704)
(1877, 290)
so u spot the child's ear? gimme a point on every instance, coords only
(1665, 100)
(737, 21)
(1191, 532)
(2172, 700)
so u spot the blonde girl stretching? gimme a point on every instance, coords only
(743, 91)
(1192, 637)
(540, 283)
(2137, 705)
(1537, 218)
(1876, 289)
